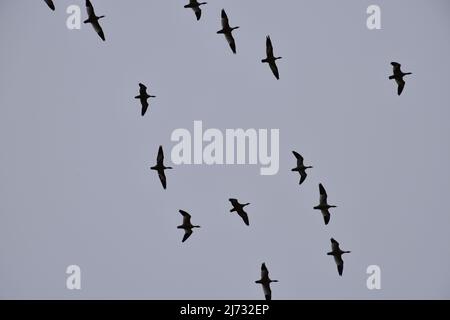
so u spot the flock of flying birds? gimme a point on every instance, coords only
(237, 207)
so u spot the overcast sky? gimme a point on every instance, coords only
(75, 183)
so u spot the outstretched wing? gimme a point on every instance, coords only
(198, 12)
(302, 176)
(244, 216)
(339, 264)
(187, 234)
(231, 42)
(224, 19)
(274, 68)
(98, 29)
(162, 177)
(396, 67)
(50, 4)
(144, 104)
(269, 47)
(234, 202)
(323, 194)
(400, 84)
(264, 271)
(298, 157)
(334, 245)
(326, 216)
(90, 8)
(186, 217)
(160, 157)
(267, 291)
(142, 89)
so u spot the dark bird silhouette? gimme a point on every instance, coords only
(398, 76)
(265, 282)
(50, 4)
(271, 59)
(239, 208)
(323, 204)
(195, 6)
(337, 253)
(143, 96)
(93, 19)
(160, 167)
(300, 168)
(227, 31)
(187, 225)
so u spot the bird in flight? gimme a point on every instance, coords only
(143, 96)
(337, 253)
(50, 4)
(195, 6)
(239, 208)
(271, 59)
(265, 282)
(187, 225)
(323, 204)
(93, 19)
(398, 76)
(227, 31)
(300, 168)
(160, 167)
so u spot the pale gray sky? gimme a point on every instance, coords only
(75, 183)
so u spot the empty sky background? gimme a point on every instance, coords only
(75, 183)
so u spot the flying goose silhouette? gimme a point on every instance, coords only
(239, 208)
(398, 76)
(50, 4)
(195, 6)
(227, 31)
(187, 225)
(265, 282)
(93, 19)
(300, 168)
(337, 253)
(160, 167)
(323, 204)
(143, 96)
(271, 59)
